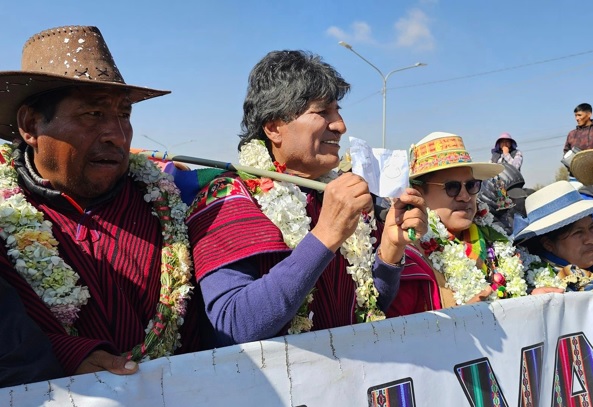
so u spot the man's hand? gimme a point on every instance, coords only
(399, 220)
(546, 290)
(344, 199)
(100, 360)
(481, 296)
(505, 149)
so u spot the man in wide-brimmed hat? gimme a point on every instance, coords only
(464, 257)
(91, 278)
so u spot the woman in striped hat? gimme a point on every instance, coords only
(559, 229)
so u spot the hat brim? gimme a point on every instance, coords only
(480, 171)
(17, 86)
(556, 220)
(581, 167)
(516, 193)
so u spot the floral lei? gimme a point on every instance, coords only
(502, 267)
(540, 273)
(286, 206)
(33, 250)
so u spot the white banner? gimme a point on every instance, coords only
(531, 351)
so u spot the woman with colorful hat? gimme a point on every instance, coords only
(559, 229)
(464, 257)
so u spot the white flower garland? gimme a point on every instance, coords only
(461, 273)
(539, 273)
(286, 206)
(33, 250)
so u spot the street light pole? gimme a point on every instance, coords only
(384, 78)
(168, 148)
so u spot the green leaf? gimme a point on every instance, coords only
(246, 175)
(492, 235)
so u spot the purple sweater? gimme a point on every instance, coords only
(253, 284)
(244, 307)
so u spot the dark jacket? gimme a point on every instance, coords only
(581, 137)
(26, 355)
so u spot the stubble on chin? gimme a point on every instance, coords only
(89, 188)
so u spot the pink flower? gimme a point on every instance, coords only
(498, 278)
(7, 193)
(266, 184)
(168, 186)
(66, 313)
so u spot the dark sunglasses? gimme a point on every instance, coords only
(453, 188)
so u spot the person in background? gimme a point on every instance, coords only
(578, 140)
(505, 196)
(26, 355)
(505, 151)
(88, 231)
(464, 257)
(558, 229)
(276, 257)
(581, 136)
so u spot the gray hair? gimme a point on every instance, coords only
(282, 85)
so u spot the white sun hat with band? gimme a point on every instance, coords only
(550, 208)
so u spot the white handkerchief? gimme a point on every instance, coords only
(386, 171)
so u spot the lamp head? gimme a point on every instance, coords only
(345, 44)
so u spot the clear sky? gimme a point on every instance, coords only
(493, 66)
